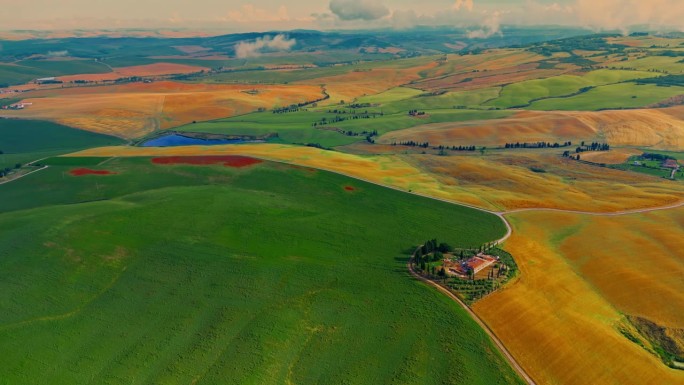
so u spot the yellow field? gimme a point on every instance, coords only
(560, 318)
(494, 182)
(353, 85)
(133, 110)
(615, 156)
(661, 128)
(638, 265)
(490, 69)
(507, 182)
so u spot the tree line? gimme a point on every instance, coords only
(411, 143)
(337, 119)
(537, 145)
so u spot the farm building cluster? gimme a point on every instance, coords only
(470, 266)
(16, 106)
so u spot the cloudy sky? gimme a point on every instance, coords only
(483, 16)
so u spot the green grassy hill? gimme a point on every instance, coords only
(206, 274)
(23, 141)
(28, 70)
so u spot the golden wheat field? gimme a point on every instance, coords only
(362, 83)
(614, 156)
(133, 110)
(530, 179)
(561, 317)
(663, 129)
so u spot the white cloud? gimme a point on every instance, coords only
(491, 26)
(622, 14)
(265, 44)
(465, 4)
(358, 9)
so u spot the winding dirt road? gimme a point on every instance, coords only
(502, 348)
(23, 175)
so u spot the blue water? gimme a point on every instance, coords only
(174, 140)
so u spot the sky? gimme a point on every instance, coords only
(482, 17)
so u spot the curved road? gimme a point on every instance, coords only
(23, 175)
(502, 348)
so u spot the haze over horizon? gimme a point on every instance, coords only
(483, 17)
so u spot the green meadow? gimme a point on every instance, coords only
(23, 141)
(268, 274)
(297, 127)
(524, 93)
(28, 70)
(616, 96)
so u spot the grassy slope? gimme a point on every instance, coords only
(522, 93)
(211, 280)
(449, 100)
(67, 67)
(287, 76)
(623, 95)
(670, 65)
(295, 127)
(27, 140)
(26, 71)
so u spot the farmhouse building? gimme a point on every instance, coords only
(474, 265)
(671, 163)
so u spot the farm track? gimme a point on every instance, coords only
(613, 214)
(499, 344)
(23, 175)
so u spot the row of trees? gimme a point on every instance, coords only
(297, 106)
(337, 119)
(359, 105)
(354, 112)
(594, 146)
(566, 154)
(659, 157)
(537, 145)
(411, 143)
(4, 172)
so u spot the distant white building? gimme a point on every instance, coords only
(46, 80)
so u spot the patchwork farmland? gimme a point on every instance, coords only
(547, 169)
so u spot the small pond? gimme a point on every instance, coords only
(174, 140)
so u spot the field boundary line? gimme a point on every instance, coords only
(610, 214)
(23, 175)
